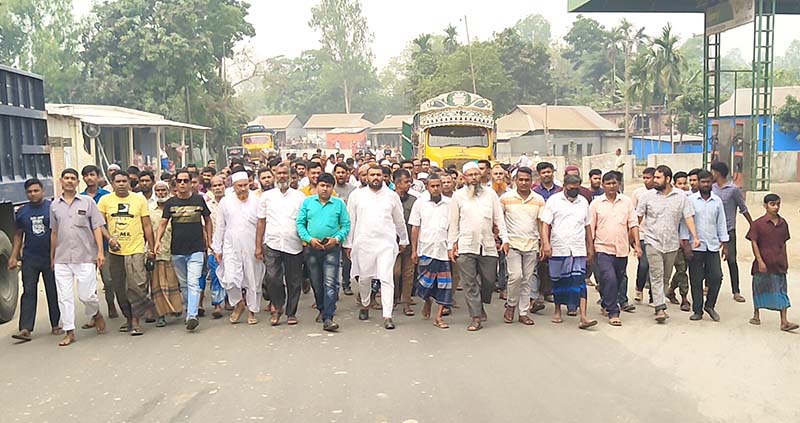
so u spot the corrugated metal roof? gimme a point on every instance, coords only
(660, 6)
(337, 120)
(115, 116)
(274, 121)
(744, 100)
(393, 122)
(554, 118)
(347, 130)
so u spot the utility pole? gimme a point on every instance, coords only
(469, 51)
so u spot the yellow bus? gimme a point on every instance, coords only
(258, 141)
(455, 128)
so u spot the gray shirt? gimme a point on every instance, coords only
(343, 191)
(732, 198)
(74, 226)
(662, 215)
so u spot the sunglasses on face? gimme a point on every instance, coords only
(183, 181)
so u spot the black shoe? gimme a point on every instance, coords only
(192, 324)
(712, 313)
(201, 312)
(388, 324)
(348, 291)
(330, 326)
(628, 308)
(363, 314)
(696, 317)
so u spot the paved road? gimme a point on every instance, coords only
(679, 372)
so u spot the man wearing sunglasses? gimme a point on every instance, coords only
(190, 237)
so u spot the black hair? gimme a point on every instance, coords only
(69, 171)
(147, 173)
(312, 165)
(166, 176)
(649, 171)
(544, 165)
(133, 170)
(209, 170)
(694, 172)
(679, 175)
(300, 163)
(433, 177)
(721, 168)
(191, 165)
(89, 169)
(349, 161)
(211, 160)
(33, 181)
(771, 198)
(703, 174)
(399, 173)
(341, 165)
(525, 169)
(611, 175)
(486, 162)
(326, 178)
(665, 170)
(186, 171)
(425, 159)
(595, 172)
(402, 162)
(119, 173)
(386, 171)
(262, 170)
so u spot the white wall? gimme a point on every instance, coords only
(606, 162)
(676, 162)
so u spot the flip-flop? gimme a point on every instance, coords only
(474, 326)
(440, 324)
(755, 321)
(790, 327)
(136, 331)
(216, 315)
(124, 328)
(57, 331)
(557, 320)
(252, 321)
(22, 337)
(587, 325)
(408, 312)
(89, 325)
(614, 321)
(66, 341)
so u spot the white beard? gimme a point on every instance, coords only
(474, 190)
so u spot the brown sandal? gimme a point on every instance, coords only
(66, 341)
(525, 320)
(587, 324)
(508, 316)
(474, 326)
(615, 321)
(440, 324)
(790, 327)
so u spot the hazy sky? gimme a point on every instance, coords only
(282, 26)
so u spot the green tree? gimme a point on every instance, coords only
(788, 117)
(632, 39)
(528, 66)
(587, 42)
(345, 39)
(535, 29)
(668, 65)
(450, 43)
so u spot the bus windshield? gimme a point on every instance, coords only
(256, 139)
(458, 136)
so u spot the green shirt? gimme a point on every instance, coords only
(317, 220)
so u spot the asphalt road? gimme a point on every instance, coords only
(678, 372)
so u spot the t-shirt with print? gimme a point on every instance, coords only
(124, 219)
(187, 223)
(34, 220)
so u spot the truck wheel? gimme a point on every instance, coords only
(9, 282)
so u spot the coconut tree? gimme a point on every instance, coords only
(668, 64)
(423, 43)
(450, 43)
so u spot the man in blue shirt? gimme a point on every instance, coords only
(91, 176)
(33, 230)
(323, 224)
(704, 260)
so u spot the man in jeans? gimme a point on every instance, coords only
(323, 224)
(662, 210)
(277, 242)
(732, 199)
(190, 238)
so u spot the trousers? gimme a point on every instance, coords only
(733, 265)
(478, 274)
(610, 274)
(67, 276)
(660, 271)
(404, 276)
(280, 266)
(705, 266)
(32, 268)
(680, 280)
(521, 272)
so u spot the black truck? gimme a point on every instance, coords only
(24, 154)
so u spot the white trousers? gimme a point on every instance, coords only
(387, 294)
(242, 274)
(521, 271)
(85, 274)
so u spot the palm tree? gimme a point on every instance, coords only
(632, 40)
(668, 63)
(641, 86)
(451, 39)
(423, 43)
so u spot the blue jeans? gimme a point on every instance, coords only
(217, 293)
(188, 268)
(323, 269)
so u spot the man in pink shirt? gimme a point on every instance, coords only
(614, 224)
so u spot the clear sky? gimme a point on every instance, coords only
(282, 26)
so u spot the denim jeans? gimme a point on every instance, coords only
(323, 269)
(188, 268)
(217, 292)
(610, 275)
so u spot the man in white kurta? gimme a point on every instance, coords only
(376, 222)
(234, 247)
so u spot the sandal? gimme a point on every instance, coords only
(789, 327)
(525, 320)
(252, 320)
(587, 324)
(508, 316)
(614, 321)
(124, 328)
(447, 311)
(557, 320)
(408, 311)
(57, 331)
(161, 322)
(440, 324)
(23, 336)
(755, 321)
(216, 314)
(136, 331)
(89, 325)
(474, 326)
(291, 321)
(66, 341)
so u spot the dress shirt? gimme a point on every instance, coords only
(74, 224)
(662, 215)
(317, 220)
(568, 220)
(471, 221)
(432, 220)
(522, 219)
(709, 221)
(611, 221)
(280, 209)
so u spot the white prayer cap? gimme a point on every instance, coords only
(434, 164)
(239, 176)
(114, 166)
(161, 184)
(386, 163)
(469, 165)
(422, 175)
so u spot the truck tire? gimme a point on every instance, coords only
(9, 282)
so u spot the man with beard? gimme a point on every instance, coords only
(614, 227)
(362, 174)
(521, 208)
(146, 181)
(265, 180)
(567, 245)
(215, 194)
(471, 242)
(680, 280)
(344, 188)
(234, 246)
(596, 183)
(278, 243)
(206, 174)
(662, 210)
(704, 261)
(372, 247)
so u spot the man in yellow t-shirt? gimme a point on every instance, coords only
(128, 219)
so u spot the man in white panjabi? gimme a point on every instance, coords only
(234, 247)
(372, 244)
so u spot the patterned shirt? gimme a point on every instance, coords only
(522, 219)
(662, 215)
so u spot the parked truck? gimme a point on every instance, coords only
(24, 154)
(454, 128)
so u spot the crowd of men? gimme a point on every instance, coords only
(388, 230)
